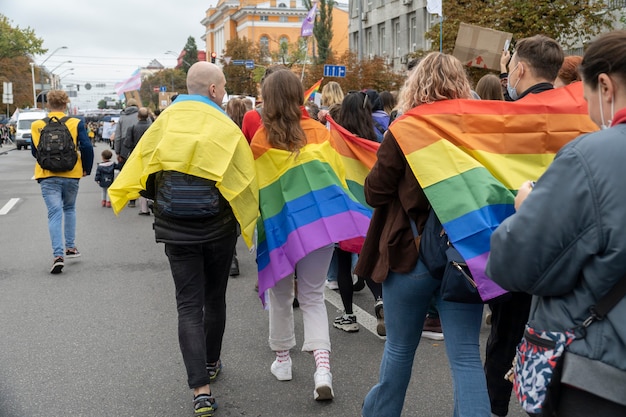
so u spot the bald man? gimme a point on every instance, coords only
(192, 153)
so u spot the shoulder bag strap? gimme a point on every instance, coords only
(604, 305)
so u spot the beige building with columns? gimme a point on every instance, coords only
(266, 23)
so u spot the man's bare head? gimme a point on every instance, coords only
(206, 79)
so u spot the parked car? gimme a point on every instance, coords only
(23, 137)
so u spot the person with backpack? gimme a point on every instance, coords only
(64, 155)
(105, 174)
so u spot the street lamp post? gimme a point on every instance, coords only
(41, 70)
(61, 75)
(177, 56)
(32, 71)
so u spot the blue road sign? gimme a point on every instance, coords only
(163, 89)
(334, 71)
(238, 62)
(249, 64)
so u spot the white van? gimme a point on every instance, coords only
(23, 137)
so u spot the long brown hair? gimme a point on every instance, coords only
(282, 94)
(236, 108)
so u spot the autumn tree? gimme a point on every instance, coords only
(569, 22)
(323, 28)
(16, 46)
(174, 80)
(190, 55)
(239, 79)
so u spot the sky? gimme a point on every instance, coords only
(108, 40)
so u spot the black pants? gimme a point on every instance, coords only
(508, 320)
(200, 275)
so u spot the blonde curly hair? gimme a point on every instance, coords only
(437, 77)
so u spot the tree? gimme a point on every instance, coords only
(323, 28)
(239, 79)
(190, 55)
(290, 54)
(568, 22)
(16, 42)
(174, 80)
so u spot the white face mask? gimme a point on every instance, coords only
(606, 125)
(512, 89)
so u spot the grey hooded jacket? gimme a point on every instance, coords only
(567, 246)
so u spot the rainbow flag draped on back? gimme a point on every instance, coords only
(314, 89)
(470, 156)
(305, 203)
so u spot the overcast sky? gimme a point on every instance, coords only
(107, 40)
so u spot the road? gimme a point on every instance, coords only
(100, 339)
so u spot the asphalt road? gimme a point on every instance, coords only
(100, 339)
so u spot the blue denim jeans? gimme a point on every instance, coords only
(200, 273)
(407, 298)
(59, 195)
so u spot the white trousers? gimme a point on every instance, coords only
(311, 272)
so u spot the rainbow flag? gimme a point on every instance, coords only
(470, 156)
(314, 89)
(358, 156)
(305, 203)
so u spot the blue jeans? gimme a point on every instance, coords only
(59, 195)
(407, 298)
(200, 273)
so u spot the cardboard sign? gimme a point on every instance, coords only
(480, 47)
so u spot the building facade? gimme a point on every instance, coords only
(266, 23)
(391, 29)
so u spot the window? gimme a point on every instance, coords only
(382, 40)
(413, 33)
(395, 24)
(264, 18)
(369, 47)
(282, 5)
(264, 42)
(283, 40)
(283, 19)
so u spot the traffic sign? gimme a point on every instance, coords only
(334, 71)
(238, 62)
(163, 89)
(249, 64)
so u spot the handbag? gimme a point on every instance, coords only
(538, 363)
(444, 262)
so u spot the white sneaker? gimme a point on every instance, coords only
(323, 385)
(281, 370)
(332, 285)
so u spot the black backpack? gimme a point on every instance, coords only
(56, 150)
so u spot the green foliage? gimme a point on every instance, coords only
(323, 28)
(16, 42)
(191, 54)
(239, 79)
(174, 79)
(568, 22)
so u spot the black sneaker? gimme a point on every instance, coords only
(57, 265)
(72, 253)
(213, 369)
(380, 318)
(234, 267)
(204, 405)
(347, 323)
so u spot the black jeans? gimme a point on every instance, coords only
(508, 320)
(200, 275)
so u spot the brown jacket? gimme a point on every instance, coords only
(392, 189)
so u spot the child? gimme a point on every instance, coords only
(105, 173)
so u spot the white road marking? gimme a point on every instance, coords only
(8, 206)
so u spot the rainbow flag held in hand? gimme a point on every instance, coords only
(470, 156)
(305, 203)
(314, 89)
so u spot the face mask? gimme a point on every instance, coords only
(606, 125)
(511, 90)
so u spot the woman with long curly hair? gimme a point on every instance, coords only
(390, 256)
